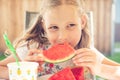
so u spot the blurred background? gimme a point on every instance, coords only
(15, 16)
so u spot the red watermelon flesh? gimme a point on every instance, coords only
(58, 53)
(78, 73)
(64, 74)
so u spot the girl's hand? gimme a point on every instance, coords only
(35, 55)
(88, 58)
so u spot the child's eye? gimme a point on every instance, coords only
(71, 25)
(53, 28)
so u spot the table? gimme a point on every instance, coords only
(39, 78)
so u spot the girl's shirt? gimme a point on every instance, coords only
(47, 69)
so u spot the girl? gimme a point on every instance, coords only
(62, 21)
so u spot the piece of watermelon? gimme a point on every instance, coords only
(78, 73)
(64, 74)
(58, 53)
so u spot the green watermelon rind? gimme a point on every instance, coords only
(59, 60)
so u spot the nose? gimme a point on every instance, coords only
(62, 37)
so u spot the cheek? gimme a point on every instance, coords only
(75, 38)
(51, 38)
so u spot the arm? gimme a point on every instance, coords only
(110, 69)
(110, 62)
(3, 66)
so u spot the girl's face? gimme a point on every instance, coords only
(63, 24)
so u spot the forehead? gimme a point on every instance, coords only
(61, 13)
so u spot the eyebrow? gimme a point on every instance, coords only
(70, 22)
(52, 25)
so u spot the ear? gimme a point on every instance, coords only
(83, 20)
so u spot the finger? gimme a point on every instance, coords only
(85, 54)
(41, 62)
(40, 68)
(84, 59)
(82, 50)
(34, 58)
(34, 51)
(84, 64)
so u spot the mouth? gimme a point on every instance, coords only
(62, 43)
(66, 43)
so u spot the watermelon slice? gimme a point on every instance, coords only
(67, 73)
(58, 53)
(78, 73)
(64, 74)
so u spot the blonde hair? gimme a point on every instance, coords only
(37, 34)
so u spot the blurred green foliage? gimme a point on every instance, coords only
(115, 57)
(2, 56)
(117, 45)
